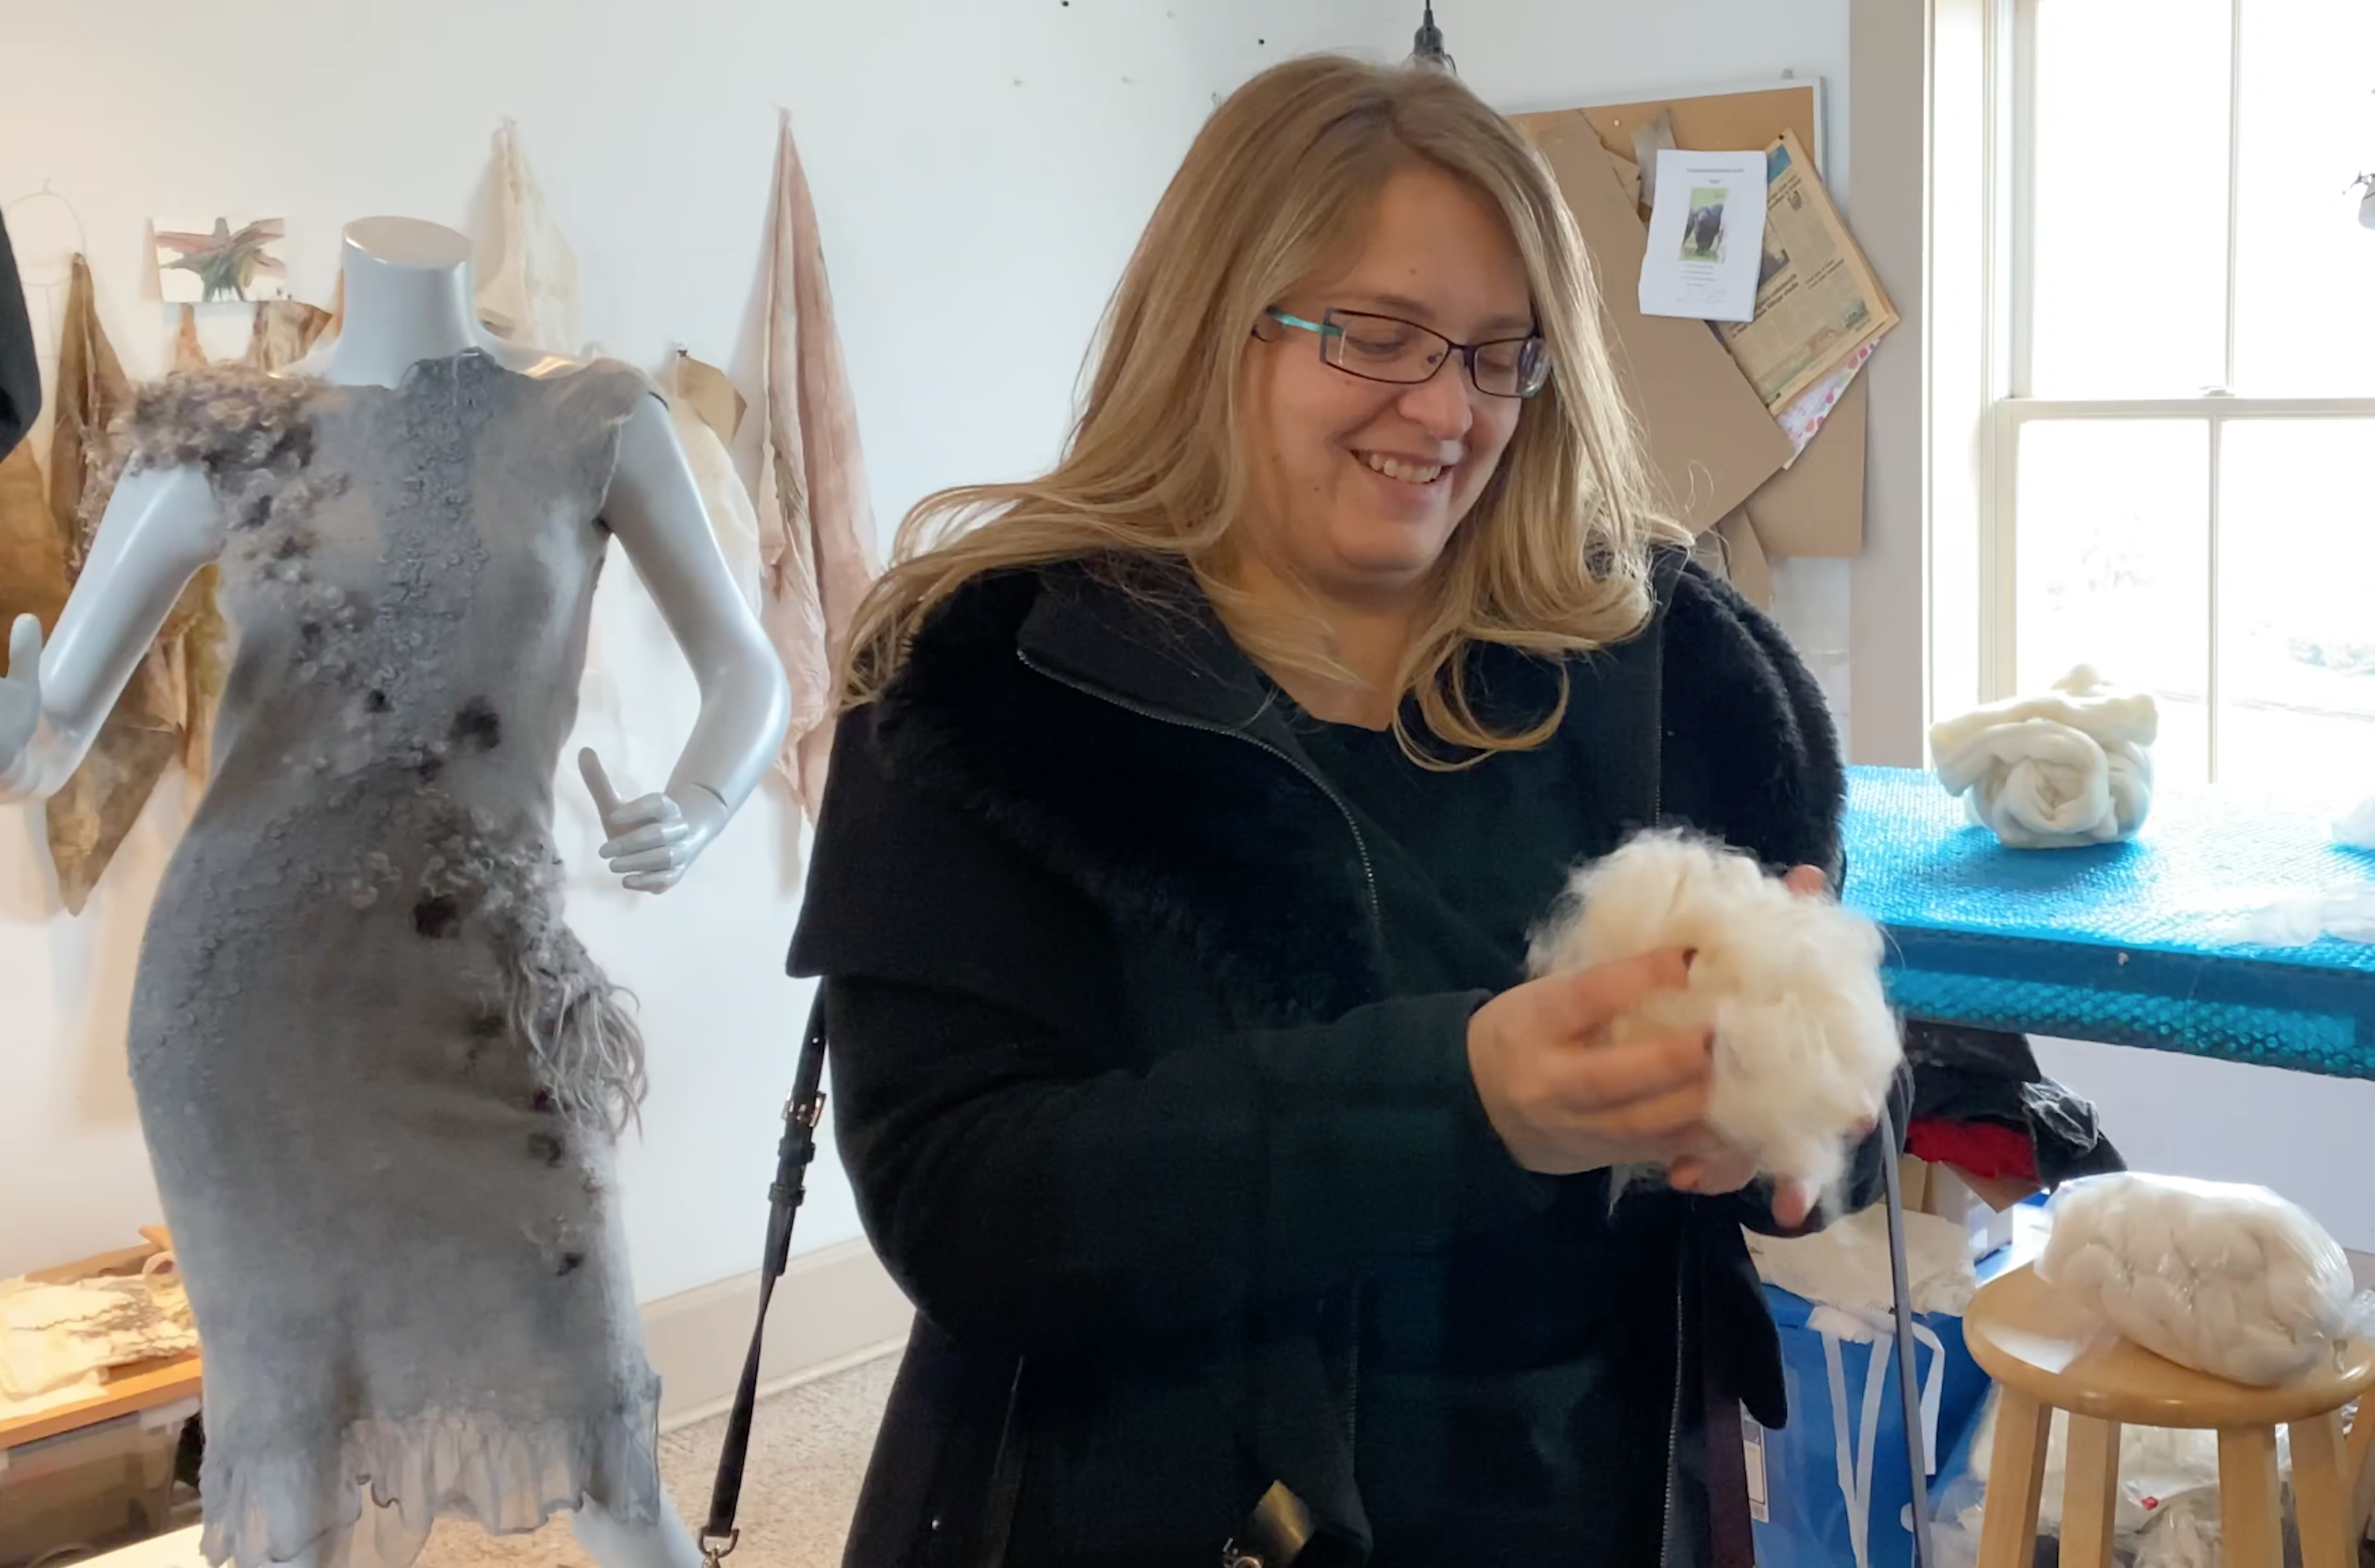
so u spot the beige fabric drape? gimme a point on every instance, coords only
(166, 711)
(815, 524)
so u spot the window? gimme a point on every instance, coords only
(2183, 482)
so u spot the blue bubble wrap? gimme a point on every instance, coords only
(2132, 943)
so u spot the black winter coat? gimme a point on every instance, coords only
(20, 374)
(1124, 1102)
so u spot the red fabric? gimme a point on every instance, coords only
(1976, 1149)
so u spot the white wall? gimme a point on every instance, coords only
(2228, 1121)
(981, 171)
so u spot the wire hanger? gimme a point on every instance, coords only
(82, 235)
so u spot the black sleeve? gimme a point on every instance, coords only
(1752, 756)
(20, 372)
(1750, 753)
(1033, 1181)
(1024, 1200)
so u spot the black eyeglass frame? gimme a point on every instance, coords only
(1329, 328)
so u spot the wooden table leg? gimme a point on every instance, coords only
(2091, 1493)
(2358, 1466)
(2015, 1482)
(2251, 1516)
(2321, 1495)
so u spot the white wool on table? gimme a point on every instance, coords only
(2229, 1280)
(2357, 828)
(2070, 768)
(1805, 1046)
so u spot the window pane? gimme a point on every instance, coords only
(2113, 546)
(2129, 160)
(2296, 610)
(2304, 269)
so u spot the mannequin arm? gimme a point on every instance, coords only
(655, 508)
(161, 526)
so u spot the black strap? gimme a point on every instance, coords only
(793, 1156)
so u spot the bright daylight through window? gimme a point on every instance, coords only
(2185, 490)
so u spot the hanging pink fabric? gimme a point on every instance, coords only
(816, 527)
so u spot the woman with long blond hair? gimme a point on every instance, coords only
(1171, 900)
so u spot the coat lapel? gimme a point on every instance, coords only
(1124, 748)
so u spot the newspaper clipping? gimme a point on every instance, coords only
(1817, 299)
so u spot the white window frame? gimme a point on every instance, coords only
(2012, 35)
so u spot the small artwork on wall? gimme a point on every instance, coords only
(220, 261)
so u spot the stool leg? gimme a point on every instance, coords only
(2090, 1493)
(2251, 1516)
(2321, 1494)
(2016, 1480)
(2358, 1466)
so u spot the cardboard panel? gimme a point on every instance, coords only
(1711, 441)
(1744, 559)
(1815, 506)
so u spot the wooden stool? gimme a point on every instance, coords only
(2048, 1353)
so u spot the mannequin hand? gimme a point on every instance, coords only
(654, 839)
(20, 705)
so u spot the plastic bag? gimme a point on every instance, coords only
(2229, 1280)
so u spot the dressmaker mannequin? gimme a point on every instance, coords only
(408, 299)
(417, 560)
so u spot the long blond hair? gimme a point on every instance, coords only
(1551, 558)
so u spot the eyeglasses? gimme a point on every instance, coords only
(1403, 353)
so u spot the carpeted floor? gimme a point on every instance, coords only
(807, 1454)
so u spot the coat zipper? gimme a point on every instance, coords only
(1181, 721)
(1674, 1427)
(1376, 931)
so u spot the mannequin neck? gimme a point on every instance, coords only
(406, 298)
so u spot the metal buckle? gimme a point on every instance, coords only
(715, 1549)
(806, 1113)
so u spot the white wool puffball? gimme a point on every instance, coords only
(1805, 1046)
(2229, 1280)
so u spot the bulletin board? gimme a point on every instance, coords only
(1723, 471)
(1723, 120)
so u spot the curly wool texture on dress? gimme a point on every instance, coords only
(2226, 1278)
(1805, 1046)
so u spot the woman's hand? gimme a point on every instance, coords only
(1563, 1099)
(1726, 1171)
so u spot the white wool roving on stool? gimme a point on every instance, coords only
(2229, 1280)
(2068, 769)
(1805, 1046)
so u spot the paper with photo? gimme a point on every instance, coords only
(1706, 234)
(1711, 441)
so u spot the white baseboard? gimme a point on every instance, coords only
(835, 1308)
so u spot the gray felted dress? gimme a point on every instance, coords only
(379, 1078)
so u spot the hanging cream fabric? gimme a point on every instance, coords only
(815, 525)
(285, 331)
(527, 276)
(701, 396)
(32, 556)
(189, 352)
(91, 391)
